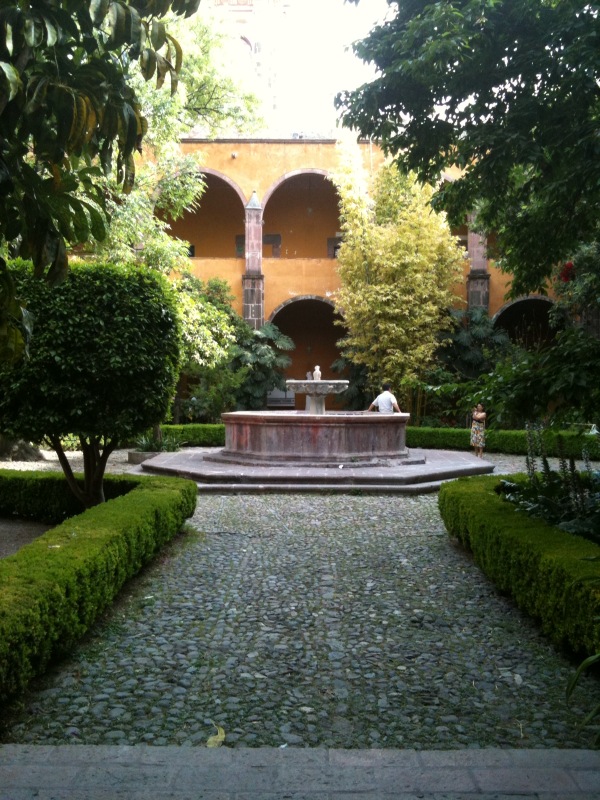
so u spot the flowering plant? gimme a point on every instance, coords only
(567, 273)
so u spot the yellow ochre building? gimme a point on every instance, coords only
(268, 224)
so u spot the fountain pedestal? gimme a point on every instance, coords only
(317, 391)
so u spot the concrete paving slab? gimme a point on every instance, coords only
(86, 772)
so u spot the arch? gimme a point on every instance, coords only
(312, 323)
(215, 229)
(293, 174)
(526, 320)
(301, 215)
(217, 174)
(281, 306)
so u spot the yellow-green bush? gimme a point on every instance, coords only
(551, 575)
(53, 589)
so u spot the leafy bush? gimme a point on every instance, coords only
(46, 496)
(103, 363)
(550, 574)
(569, 443)
(254, 364)
(565, 498)
(198, 435)
(149, 443)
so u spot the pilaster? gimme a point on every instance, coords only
(478, 279)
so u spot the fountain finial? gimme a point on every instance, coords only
(317, 373)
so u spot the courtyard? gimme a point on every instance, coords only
(311, 621)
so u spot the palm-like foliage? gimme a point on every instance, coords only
(473, 344)
(68, 114)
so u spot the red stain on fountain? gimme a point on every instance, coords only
(313, 436)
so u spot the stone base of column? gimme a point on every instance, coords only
(478, 289)
(253, 287)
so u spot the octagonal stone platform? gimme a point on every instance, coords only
(421, 472)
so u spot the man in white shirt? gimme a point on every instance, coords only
(385, 402)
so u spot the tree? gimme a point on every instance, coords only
(65, 100)
(67, 109)
(472, 344)
(168, 181)
(254, 363)
(262, 354)
(508, 93)
(103, 364)
(560, 382)
(208, 99)
(555, 384)
(397, 263)
(207, 331)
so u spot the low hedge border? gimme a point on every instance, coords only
(53, 589)
(551, 575)
(197, 434)
(509, 442)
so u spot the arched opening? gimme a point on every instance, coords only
(311, 324)
(216, 229)
(301, 218)
(527, 322)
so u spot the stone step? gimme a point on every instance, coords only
(313, 488)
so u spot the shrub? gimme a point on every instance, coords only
(103, 363)
(197, 435)
(54, 589)
(552, 575)
(557, 443)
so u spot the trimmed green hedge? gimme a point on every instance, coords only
(53, 589)
(46, 496)
(510, 442)
(197, 435)
(550, 574)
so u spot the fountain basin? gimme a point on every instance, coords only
(298, 437)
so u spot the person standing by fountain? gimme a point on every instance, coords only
(478, 429)
(385, 402)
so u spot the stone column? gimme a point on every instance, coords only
(478, 279)
(253, 280)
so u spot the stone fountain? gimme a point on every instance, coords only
(313, 436)
(315, 450)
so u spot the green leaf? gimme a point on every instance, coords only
(11, 77)
(148, 63)
(99, 10)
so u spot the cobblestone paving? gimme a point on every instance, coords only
(311, 621)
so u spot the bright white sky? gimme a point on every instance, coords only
(315, 62)
(304, 54)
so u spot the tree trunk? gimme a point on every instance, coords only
(95, 459)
